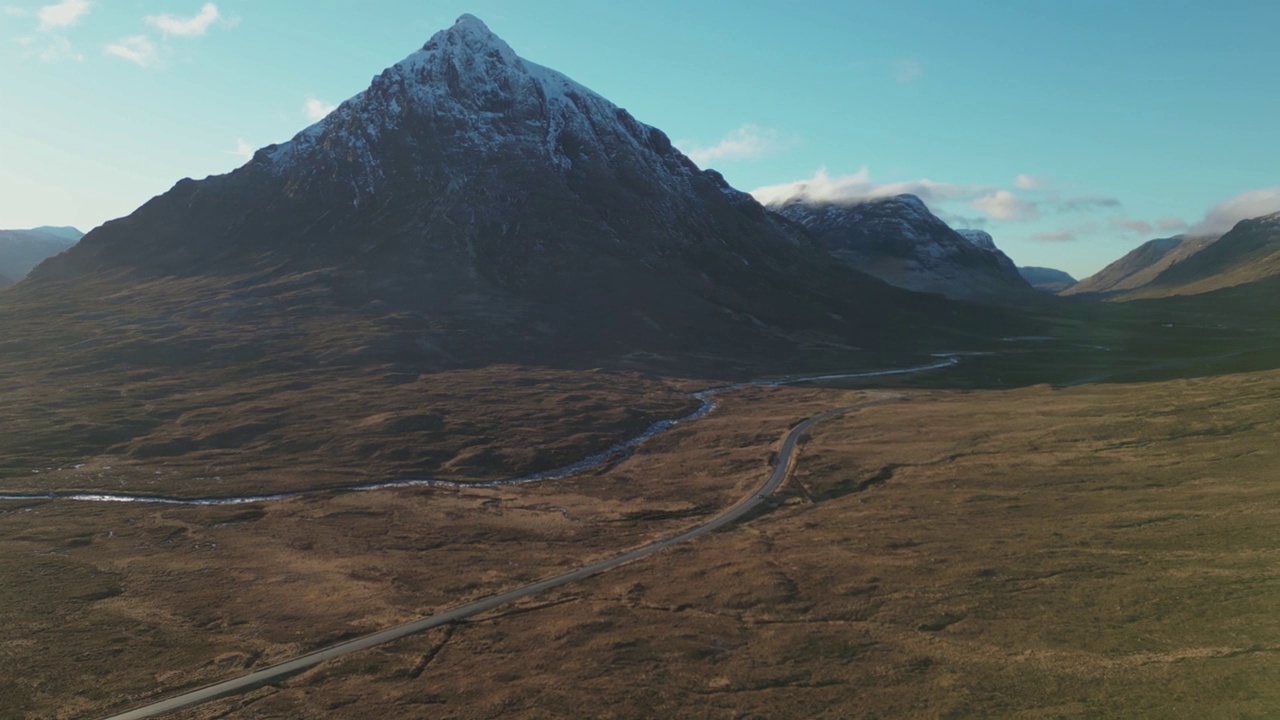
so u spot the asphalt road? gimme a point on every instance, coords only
(265, 676)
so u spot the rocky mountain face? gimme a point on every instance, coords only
(1047, 279)
(22, 250)
(482, 208)
(899, 241)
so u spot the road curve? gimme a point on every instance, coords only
(785, 460)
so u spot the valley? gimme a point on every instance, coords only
(479, 397)
(911, 564)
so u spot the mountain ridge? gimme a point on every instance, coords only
(23, 250)
(898, 240)
(1047, 279)
(1246, 254)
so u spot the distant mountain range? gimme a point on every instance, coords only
(1248, 253)
(1047, 279)
(898, 240)
(22, 250)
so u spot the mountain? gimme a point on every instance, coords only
(1047, 279)
(65, 232)
(22, 250)
(1248, 253)
(5, 281)
(1139, 266)
(476, 208)
(899, 241)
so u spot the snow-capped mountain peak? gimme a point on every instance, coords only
(980, 238)
(468, 91)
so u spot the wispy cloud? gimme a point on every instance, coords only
(747, 142)
(63, 14)
(316, 109)
(58, 49)
(243, 150)
(907, 71)
(1030, 182)
(822, 187)
(1250, 204)
(14, 11)
(47, 48)
(197, 24)
(1085, 203)
(1140, 227)
(137, 49)
(1004, 205)
(1055, 236)
(1171, 224)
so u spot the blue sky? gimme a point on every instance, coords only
(1071, 130)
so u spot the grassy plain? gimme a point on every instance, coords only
(1092, 551)
(1054, 529)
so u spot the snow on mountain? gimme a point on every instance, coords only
(980, 238)
(900, 241)
(483, 101)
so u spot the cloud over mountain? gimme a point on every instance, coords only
(1249, 204)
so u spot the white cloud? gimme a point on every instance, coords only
(1171, 224)
(62, 14)
(745, 143)
(243, 150)
(859, 186)
(317, 110)
(14, 11)
(197, 24)
(137, 49)
(907, 71)
(1030, 182)
(1222, 217)
(1004, 205)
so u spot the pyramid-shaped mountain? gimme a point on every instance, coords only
(501, 212)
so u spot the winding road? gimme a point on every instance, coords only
(783, 465)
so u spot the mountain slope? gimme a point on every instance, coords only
(22, 250)
(899, 241)
(1248, 253)
(473, 207)
(1047, 279)
(1139, 266)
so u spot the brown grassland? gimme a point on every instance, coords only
(1097, 551)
